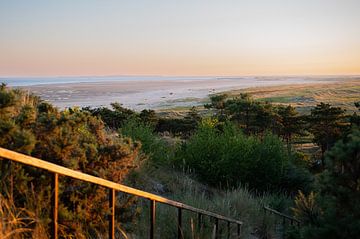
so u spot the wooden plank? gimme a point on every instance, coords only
(55, 206)
(35, 162)
(281, 214)
(112, 204)
(179, 231)
(152, 218)
(238, 230)
(228, 230)
(216, 228)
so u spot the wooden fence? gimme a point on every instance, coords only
(113, 188)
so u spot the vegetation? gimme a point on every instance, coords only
(234, 157)
(335, 210)
(72, 138)
(229, 158)
(326, 124)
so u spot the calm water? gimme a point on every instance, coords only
(29, 81)
(256, 81)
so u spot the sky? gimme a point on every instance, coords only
(183, 37)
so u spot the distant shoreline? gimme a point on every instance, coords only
(34, 81)
(157, 93)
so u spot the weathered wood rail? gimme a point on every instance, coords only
(284, 217)
(113, 188)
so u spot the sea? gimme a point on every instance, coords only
(253, 80)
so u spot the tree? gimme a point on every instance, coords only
(218, 103)
(290, 123)
(326, 124)
(242, 110)
(339, 193)
(355, 118)
(193, 115)
(114, 118)
(253, 116)
(149, 117)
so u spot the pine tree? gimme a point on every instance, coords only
(339, 193)
(290, 123)
(326, 124)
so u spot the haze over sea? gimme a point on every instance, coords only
(143, 92)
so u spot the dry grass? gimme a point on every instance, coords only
(304, 96)
(237, 203)
(341, 93)
(16, 223)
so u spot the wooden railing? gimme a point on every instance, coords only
(113, 188)
(284, 217)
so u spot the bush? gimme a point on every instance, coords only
(152, 145)
(227, 157)
(71, 138)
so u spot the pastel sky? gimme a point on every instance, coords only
(183, 37)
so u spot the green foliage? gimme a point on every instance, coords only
(72, 138)
(230, 158)
(113, 118)
(149, 117)
(217, 103)
(257, 117)
(339, 193)
(355, 118)
(193, 115)
(239, 203)
(327, 124)
(152, 145)
(182, 127)
(290, 122)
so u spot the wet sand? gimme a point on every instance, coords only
(154, 94)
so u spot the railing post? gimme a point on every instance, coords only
(216, 228)
(238, 230)
(228, 230)
(55, 206)
(112, 203)
(180, 223)
(152, 218)
(199, 221)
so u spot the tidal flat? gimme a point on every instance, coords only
(181, 93)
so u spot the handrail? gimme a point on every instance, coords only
(284, 216)
(60, 170)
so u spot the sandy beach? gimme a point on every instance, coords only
(156, 94)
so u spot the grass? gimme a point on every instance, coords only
(305, 96)
(19, 222)
(238, 203)
(302, 96)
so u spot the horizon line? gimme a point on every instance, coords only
(160, 75)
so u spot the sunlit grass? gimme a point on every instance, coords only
(239, 203)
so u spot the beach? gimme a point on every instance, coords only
(158, 93)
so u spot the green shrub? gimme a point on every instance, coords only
(151, 144)
(227, 157)
(71, 138)
(339, 194)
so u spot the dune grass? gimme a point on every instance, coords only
(305, 96)
(239, 203)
